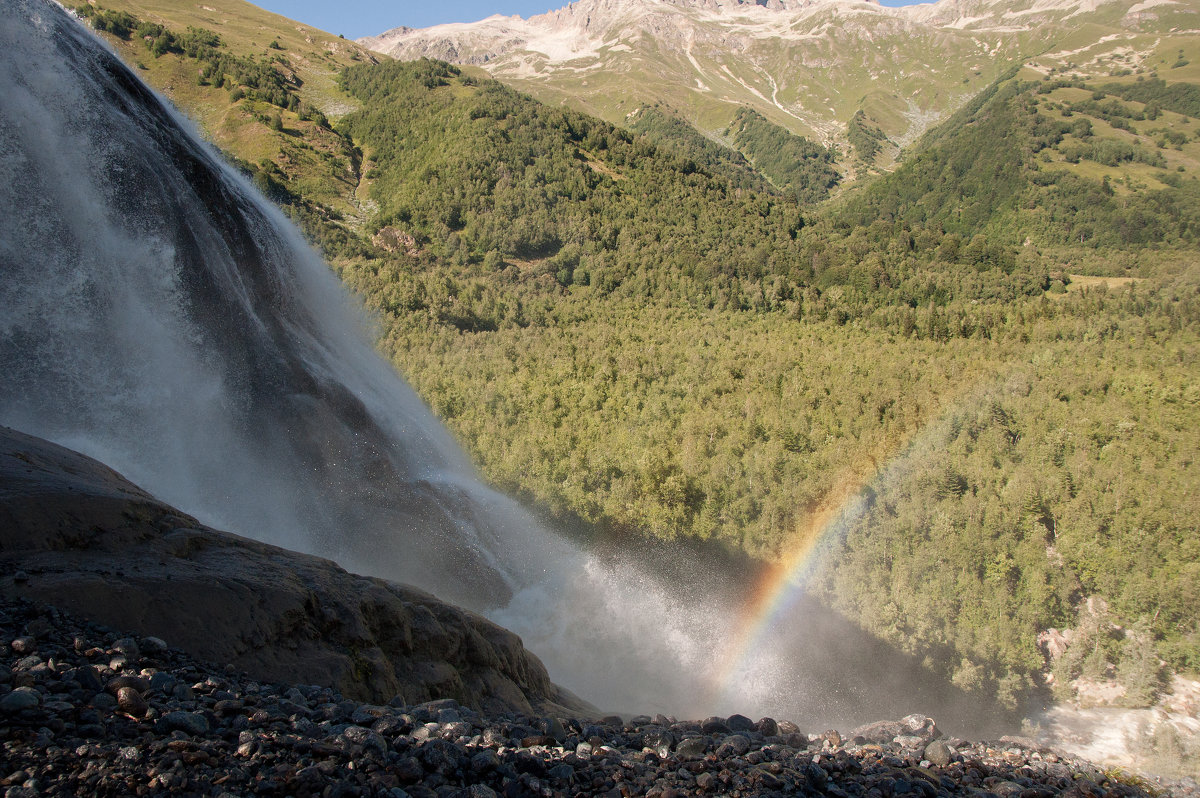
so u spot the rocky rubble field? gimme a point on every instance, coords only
(85, 710)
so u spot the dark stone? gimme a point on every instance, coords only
(562, 772)
(440, 756)
(187, 722)
(408, 770)
(88, 678)
(153, 645)
(738, 744)
(739, 723)
(796, 740)
(19, 700)
(127, 646)
(24, 645)
(816, 777)
(115, 684)
(130, 702)
(229, 706)
(537, 739)
(692, 748)
(938, 753)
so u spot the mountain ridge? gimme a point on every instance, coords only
(807, 66)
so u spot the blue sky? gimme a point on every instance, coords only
(355, 18)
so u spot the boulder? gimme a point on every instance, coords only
(95, 544)
(917, 726)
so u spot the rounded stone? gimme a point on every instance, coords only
(739, 723)
(187, 722)
(115, 684)
(692, 748)
(153, 645)
(24, 645)
(103, 701)
(127, 646)
(130, 702)
(20, 699)
(162, 681)
(938, 753)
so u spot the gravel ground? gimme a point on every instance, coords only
(85, 710)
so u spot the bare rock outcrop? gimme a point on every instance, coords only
(76, 534)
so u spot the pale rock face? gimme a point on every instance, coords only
(807, 65)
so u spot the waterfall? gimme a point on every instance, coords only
(159, 315)
(162, 317)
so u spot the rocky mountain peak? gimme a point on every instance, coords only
(807, 65)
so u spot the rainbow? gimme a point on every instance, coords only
(783, 584)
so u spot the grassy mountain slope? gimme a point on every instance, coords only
(632, 331)
(1058, 163)
(263, 90)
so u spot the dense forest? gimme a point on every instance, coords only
(999, 420)
(793, 163)
(972, 379)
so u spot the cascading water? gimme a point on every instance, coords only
(160, 316)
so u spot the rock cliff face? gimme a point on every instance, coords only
(76, 534)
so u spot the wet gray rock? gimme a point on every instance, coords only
(692, 748)
(912, 726)
(739, 723)
(938, 753)
(733, 745)
(271, 612)
(661, 740)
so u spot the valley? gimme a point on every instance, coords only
(958, 371)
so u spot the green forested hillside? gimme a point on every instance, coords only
(477, 172)
(1008, 166)
(793, 163)
(982, 364)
